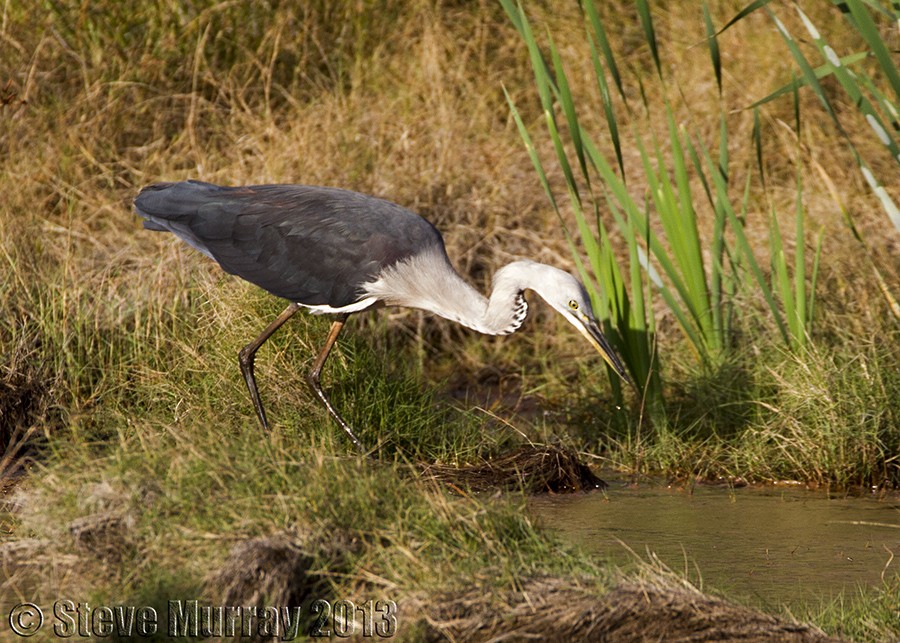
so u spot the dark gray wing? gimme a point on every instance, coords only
(311, 245)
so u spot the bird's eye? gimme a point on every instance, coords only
(573, 304)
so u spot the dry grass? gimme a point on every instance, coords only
(408, 107)
(653, 609)
(282, 569)
(117, 347)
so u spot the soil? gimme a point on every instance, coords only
(533, 469)
(560, 609)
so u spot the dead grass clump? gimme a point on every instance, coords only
(24, 397)
(25, 551)
(559, 609)
(38, 569)
(105, 535)
(285, 568)
(533, 469)
(98, 525)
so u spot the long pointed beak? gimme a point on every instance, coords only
(590, 329)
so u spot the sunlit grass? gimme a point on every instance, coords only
(118, 347)
(704, 278)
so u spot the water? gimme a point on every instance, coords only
(769, 546)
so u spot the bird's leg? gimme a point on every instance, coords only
(313, 378)
(248, 354)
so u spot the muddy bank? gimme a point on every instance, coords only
(532, 469)
(563, 609)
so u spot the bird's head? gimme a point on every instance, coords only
(566, 294)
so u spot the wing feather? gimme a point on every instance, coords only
(311, 245)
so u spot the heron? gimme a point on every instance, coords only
(338, 252)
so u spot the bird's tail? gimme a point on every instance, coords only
(173, 201)
(168, 207)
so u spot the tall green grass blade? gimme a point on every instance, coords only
(639, 220)
(848, 82)
(603, 41)
(532, 151)
(800, 296)
(608, 109)
(743, 247)
(641, 339)
(564, 94)
(757, 146)
(643, 92)
(723, 147)
(558, 87)
(689, 245)
(891, 12)
(743, 13)
(663, 197)
(612, 301)
(621, 314)
(887, 203)
(888, 108)
(646, 19)
(822, 71)
(814, 279)
(809, 74)
(683, 263)
(547, 88)
(869, 31)
(512, 12)
(713, 43)
(698, 168)
(781, 282)
(638, 342)
(538, 64)
(717, 268)
(618, 197)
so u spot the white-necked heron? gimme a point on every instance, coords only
(340, 252)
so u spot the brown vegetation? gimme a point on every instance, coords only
(118, 347)
(566, 610)
(531, 469)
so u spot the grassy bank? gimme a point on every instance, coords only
(118, 347)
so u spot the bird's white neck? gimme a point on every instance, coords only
(429, 282)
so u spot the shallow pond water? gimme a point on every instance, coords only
(770, 546)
